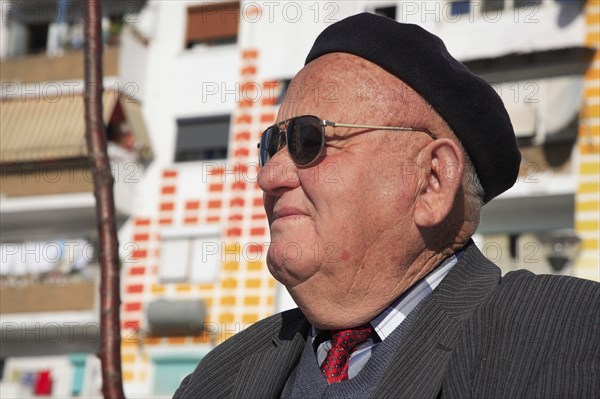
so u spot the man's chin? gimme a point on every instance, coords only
(290, 274)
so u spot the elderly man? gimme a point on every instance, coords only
(379, 190)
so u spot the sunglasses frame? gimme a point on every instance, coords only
(323, 123)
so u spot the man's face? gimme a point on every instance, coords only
(340, 228)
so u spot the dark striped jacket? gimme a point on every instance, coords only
(477, 336)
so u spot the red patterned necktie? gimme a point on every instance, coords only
(343, 343)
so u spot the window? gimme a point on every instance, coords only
(37, 36)
(527, 3)
(35, 27)
(492, 6)
(171, 370)
(212, 24)
(389, 11)
(285, 85)
(190, 256)
(78, 363)
(25, 28)
(200, 139)
(459, 7)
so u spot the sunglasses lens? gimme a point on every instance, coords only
(269, 144)
(305, 139)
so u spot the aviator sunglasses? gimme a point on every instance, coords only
(305, 138)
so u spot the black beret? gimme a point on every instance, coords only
(467, 103)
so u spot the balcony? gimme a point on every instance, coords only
(34, 297)
(41, 68)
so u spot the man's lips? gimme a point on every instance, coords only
(286, 212)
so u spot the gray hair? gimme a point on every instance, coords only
(474, 192)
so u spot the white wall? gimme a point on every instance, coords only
(285, 31)
(4, 35)
(549, 25)
(174, 83)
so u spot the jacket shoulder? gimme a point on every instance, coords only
(533, 336)
(216, 373)
(524, 291)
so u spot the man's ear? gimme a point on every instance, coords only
(442, 165)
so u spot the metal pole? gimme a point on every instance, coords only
(110, 342)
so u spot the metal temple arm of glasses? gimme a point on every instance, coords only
(404, 129)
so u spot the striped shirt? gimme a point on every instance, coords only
(388, 320)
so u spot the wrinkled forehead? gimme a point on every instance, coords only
(346, 87)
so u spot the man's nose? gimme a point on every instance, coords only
(279, 174)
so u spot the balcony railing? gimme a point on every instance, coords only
(25, 295)
(41, 68)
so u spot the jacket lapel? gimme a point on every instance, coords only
(264, 374)
(420, 364)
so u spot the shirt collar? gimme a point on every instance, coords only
(387, 321)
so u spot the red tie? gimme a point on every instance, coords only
(343, 343)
